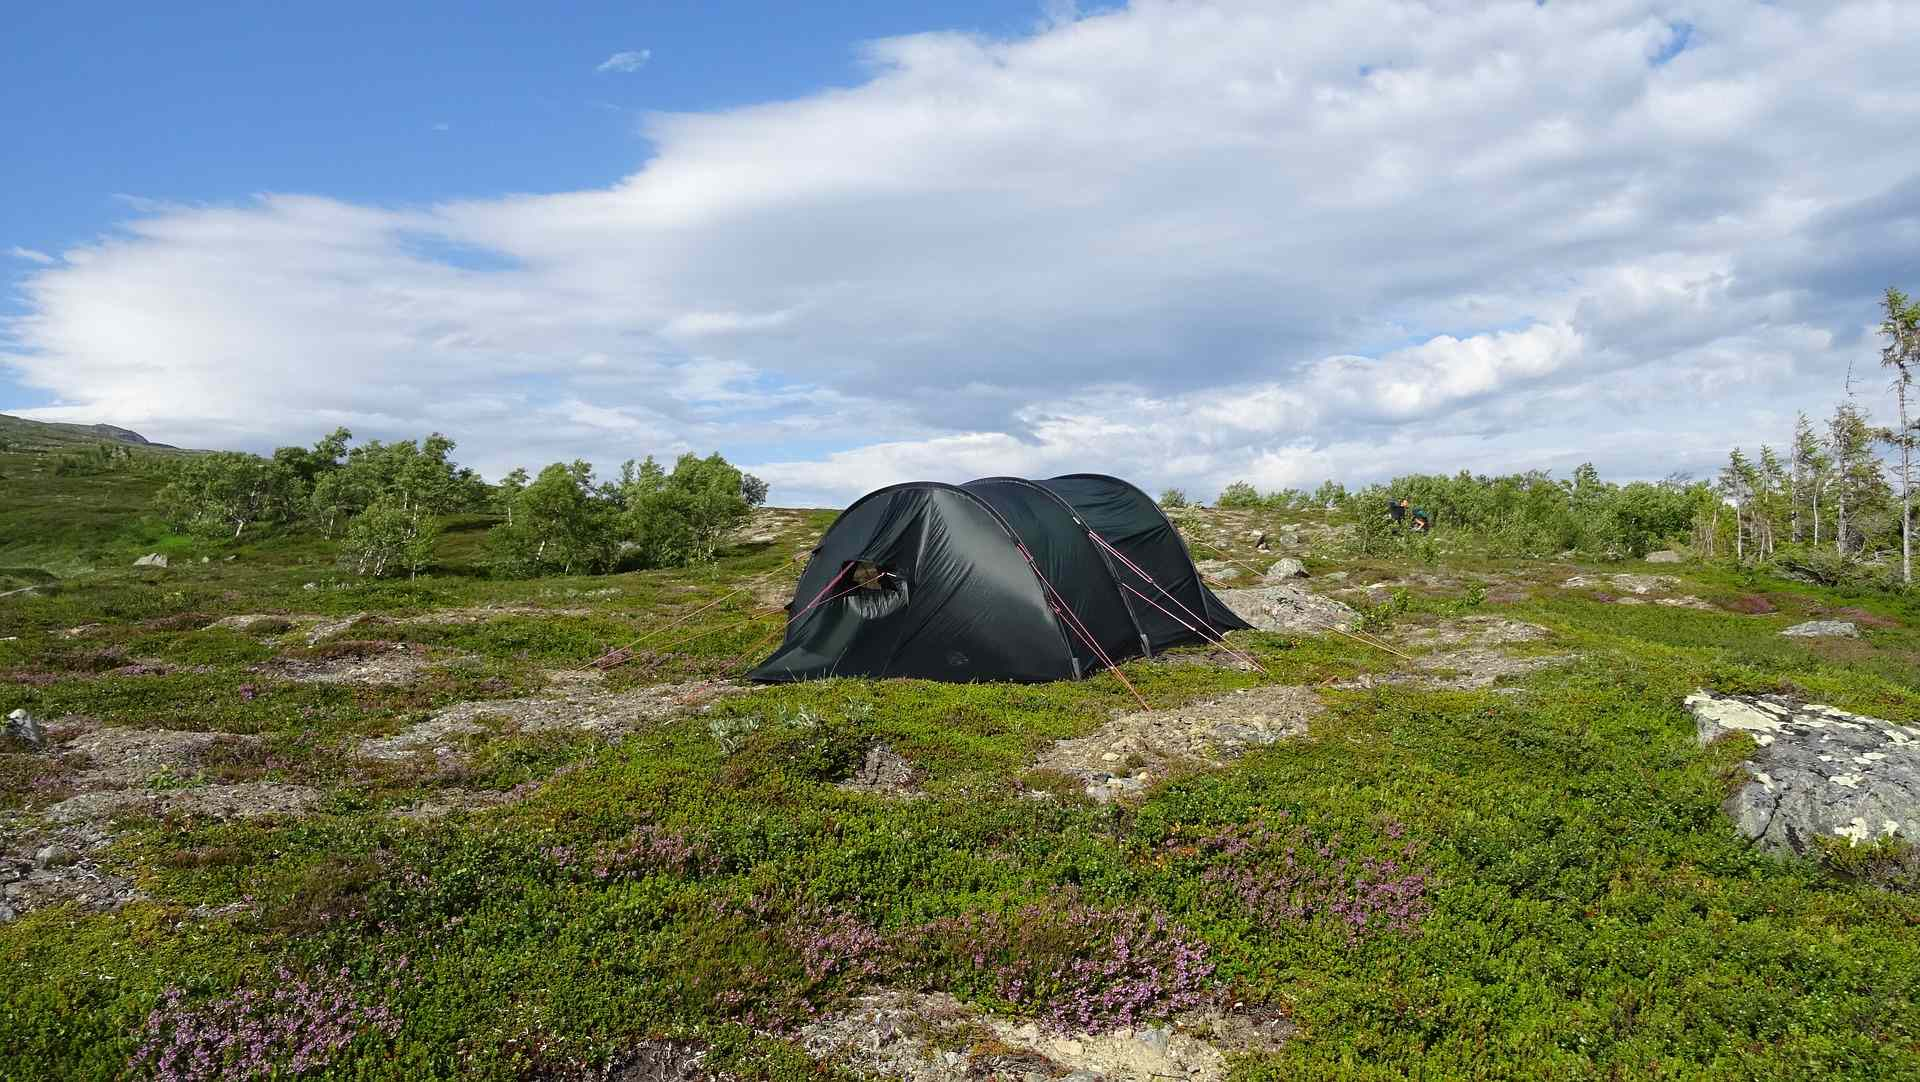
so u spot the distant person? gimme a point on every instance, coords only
(1397, 509)
(1422, 519)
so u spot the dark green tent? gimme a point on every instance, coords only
(997, 579)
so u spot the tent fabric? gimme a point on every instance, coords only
(998, 579)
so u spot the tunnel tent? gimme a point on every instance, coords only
(997, 579)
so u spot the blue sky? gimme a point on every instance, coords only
(1187, 241)
(385, 103)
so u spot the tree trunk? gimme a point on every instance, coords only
(1906, 485)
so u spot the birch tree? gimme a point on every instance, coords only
(1901, 354)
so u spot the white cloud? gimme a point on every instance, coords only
(31, 255)
(631, 60)
(1182, 242)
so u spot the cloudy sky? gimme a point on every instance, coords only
(1183, 242)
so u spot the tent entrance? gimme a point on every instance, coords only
(877, 591)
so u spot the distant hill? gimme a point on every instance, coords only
(55, 435)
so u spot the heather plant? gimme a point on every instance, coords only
(646, 850)
(1075, 966)
(295, 1024)
(1282, 873)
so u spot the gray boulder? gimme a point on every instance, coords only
(1288, 606)
(1285, 568)
(27, 729)
(1665, 556)
(55, 856)
(1816, 629)
(151, 559)
(1817, 772)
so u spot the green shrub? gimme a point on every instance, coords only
(1238, 494)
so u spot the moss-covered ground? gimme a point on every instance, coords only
(1495, 884)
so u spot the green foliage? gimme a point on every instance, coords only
(1238, 494)
(388, 539)
(557, 525)
(1533, 515)
(221, 494)
(564, 523)
(1173, 498)
(678, 519)
(1331, 493)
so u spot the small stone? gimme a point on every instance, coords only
(1665, 556)
(55, 856)
(151, 559)
(1824, 629)
(27, 729)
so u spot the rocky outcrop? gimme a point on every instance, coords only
(247, 800)
(933, 1037)
(1132, 751)
(1817, 772)
(1633, 584)
(1824, 629)
(580, 707)
(1288, 606)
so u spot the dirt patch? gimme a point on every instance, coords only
(1132, 751)
(584, 709)
(1751, 605)
(933, 1037)
(247, 800)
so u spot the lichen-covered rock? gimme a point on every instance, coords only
(1824, 629)
(247, 800)
(151, 559)
(1289, 606)
(1818, 772)
(1127, 754)
(933, 1037)
(1283, 569)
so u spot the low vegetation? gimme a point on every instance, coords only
(1531, 879)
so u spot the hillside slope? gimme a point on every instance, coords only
(405, 829)
(30, 435)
